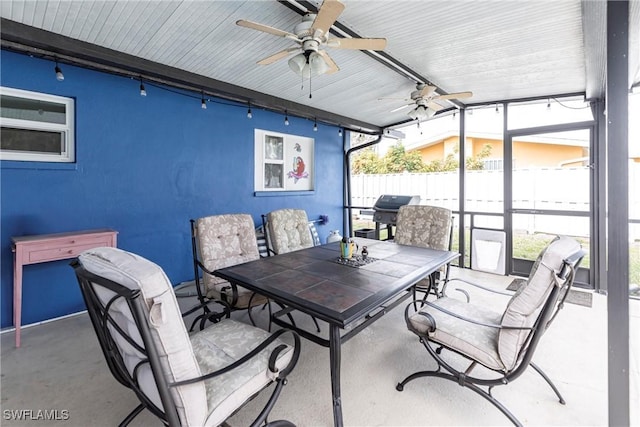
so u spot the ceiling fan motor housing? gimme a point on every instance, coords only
(303, 29)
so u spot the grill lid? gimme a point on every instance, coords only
(391, 203)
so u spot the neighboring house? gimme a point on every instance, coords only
(528, 152)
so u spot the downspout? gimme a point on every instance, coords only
(347, 172)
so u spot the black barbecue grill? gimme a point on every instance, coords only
(386, 211)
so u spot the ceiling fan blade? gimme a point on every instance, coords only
(427, 90)
(401, 108)
(434, 106)
(333, 67)
(265, 29)
(327, 15)
(278, 56)
(458, 95)
(362, 44)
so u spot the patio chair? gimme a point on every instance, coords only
(504, 341)
(197, 380)
(220, 241)
(427, 227)
(288, 230)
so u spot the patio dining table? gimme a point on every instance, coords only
(347, 294)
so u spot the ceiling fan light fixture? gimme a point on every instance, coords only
(422, 113)
(308, 64)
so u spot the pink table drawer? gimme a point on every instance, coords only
(65, 252)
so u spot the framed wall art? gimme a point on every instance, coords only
(283, 162)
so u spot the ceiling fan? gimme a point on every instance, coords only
(424, 99)
(311, 36)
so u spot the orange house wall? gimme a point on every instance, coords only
(526, 154)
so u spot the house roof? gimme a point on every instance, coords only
(499, 50)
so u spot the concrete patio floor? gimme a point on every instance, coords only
(60, 367)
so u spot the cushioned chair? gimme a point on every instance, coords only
(427, 227)
(503, 341)
(288, 230)
(220, 241)
(197, 380)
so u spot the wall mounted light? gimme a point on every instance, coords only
(143, 91)
(286, 118)
(203, 103)
(315, 125)
(249, 115)
(59, 75)
(339, 131)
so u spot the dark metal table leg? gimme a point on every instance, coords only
(334, 361)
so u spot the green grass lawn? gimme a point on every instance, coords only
(528, 246)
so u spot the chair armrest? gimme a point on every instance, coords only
(244, 359)
(467, 319)
(480, 287)
(234, 287)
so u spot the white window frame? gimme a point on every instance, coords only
(67, 129)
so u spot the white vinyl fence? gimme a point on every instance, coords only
(540, 188)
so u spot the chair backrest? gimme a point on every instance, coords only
(424, 226)
(223, 241)
(314, 234)
(288, 230)
(554, 268)
(137, 320)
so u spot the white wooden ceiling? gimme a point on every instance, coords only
(499, 50)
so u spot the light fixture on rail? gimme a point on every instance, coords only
(59, 75)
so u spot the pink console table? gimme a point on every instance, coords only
(50, 247)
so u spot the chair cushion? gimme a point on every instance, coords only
(223, 241)
(423, 226)
(475, 341)
(167, 327)
(525, 305)
(288, 230)
(222, 344)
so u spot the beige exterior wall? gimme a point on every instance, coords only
(432, 152)
(526, 154)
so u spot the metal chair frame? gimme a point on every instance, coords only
(271, 252)
(435, 281)
(554, 303)
(101, 319)
(228, 304)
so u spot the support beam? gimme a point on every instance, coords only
(617, 92)
(45, 44)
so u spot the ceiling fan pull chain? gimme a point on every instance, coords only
(309, 85)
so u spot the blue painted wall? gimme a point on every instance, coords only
(144, 167)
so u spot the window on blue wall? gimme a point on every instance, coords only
(36, 127)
